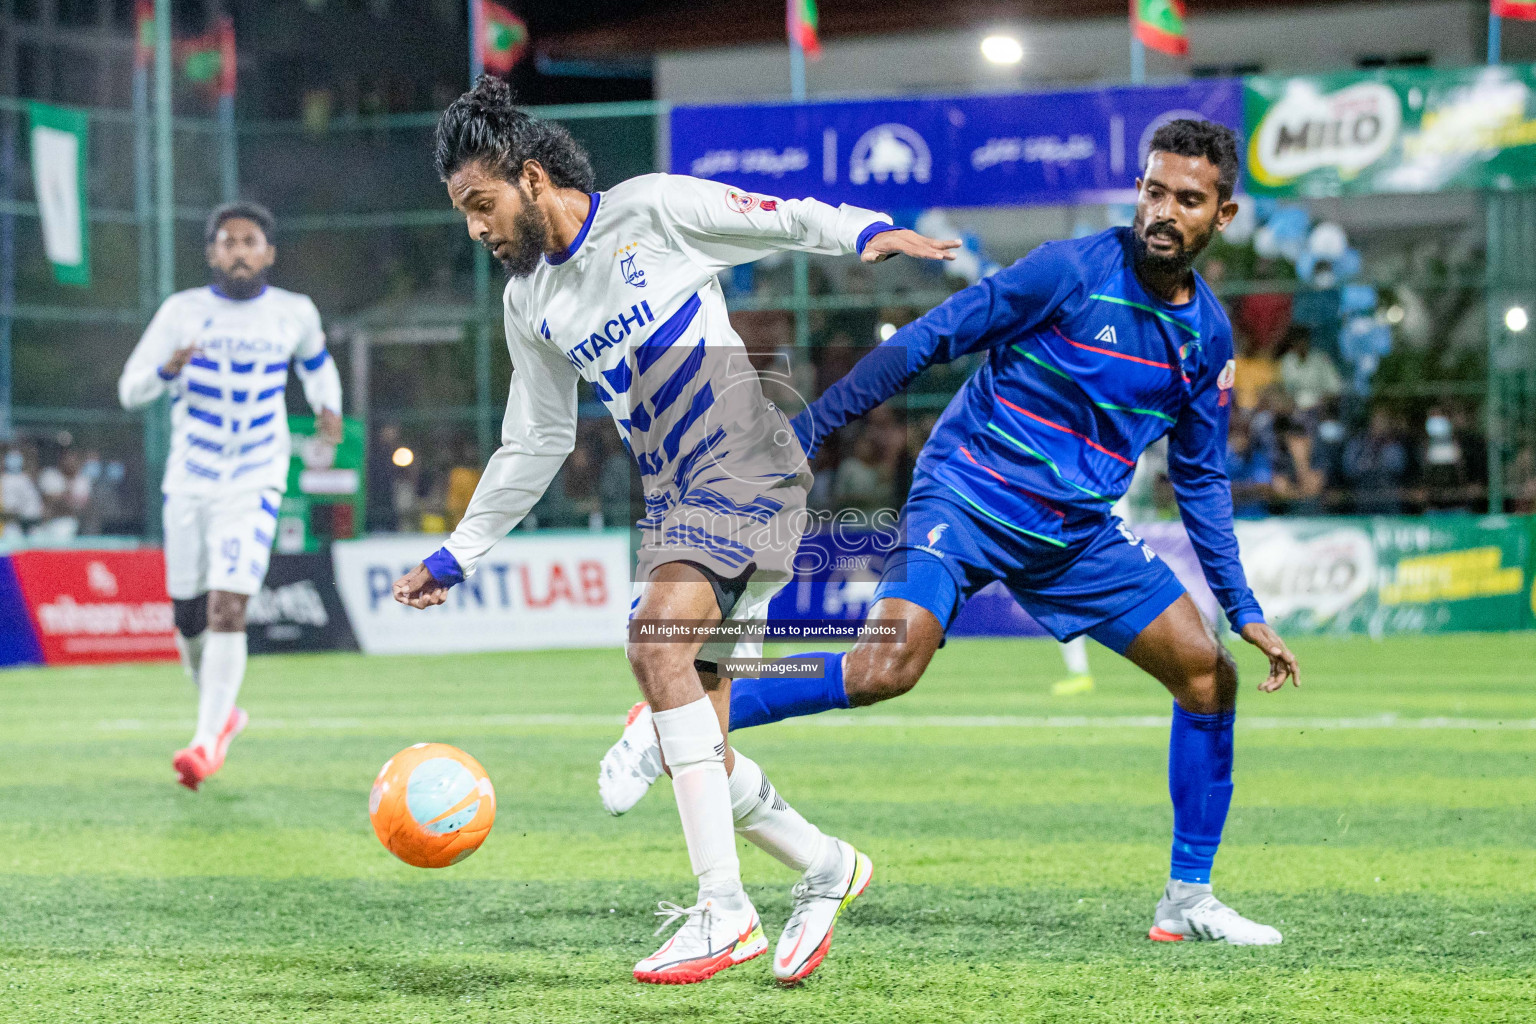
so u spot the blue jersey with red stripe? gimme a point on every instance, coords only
(1085, 369)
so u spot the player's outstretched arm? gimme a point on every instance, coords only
(1197, 453)
(539, 431)
(905, 242)
(720, 227)
(991, 312)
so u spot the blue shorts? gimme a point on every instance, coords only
(1107, 583)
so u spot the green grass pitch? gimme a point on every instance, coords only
(1383, 819)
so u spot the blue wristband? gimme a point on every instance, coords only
(160, 372)
(444, 567)
(874, 229)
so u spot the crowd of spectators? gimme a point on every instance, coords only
(598, 486)
(1301, 443)
(52, 490)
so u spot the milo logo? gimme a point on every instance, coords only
(1308, 130)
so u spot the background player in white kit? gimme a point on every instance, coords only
(222, 353)
(619, 288)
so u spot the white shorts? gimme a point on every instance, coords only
(218, 543)
(752, 606)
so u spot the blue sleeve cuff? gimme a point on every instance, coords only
(1244, 618)
(160, 372)
(874, 229)
(444, 567)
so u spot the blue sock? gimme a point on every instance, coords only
(761, 700)
(1200, 782)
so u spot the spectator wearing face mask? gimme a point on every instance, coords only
(97, 505)
(1328, 452)
(1446, 470)
(1376, 464)
(21, 503)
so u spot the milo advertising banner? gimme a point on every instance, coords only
(1404, 130)
(1390, 575)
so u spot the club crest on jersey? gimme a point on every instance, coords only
(1107, 335)
(741, 202)
(633, 275)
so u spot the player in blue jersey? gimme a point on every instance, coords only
(1096, 347)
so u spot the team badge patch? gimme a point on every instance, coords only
(741, 202)
(633, 275)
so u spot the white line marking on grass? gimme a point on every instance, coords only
(1382, 721)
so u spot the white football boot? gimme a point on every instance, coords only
(626, 772)
(1206, 917)
(714, 935)
(818, 902)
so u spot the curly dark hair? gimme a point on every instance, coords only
(485, 125)
(1216, 142)
(245, 209)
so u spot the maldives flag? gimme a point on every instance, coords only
(800, 22)
(1160, 25)
(208, 60)
(503, 38)
(1524, 10)
(144, 35)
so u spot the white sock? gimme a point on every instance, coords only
(191, 650)
(1075, 654)
(770, 824)
(219, 678)
(695, 751)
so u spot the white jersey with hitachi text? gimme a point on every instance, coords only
(229, 423)
(634, 308)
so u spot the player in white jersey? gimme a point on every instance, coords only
(222, 354)
(618, 288)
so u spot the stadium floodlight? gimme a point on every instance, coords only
(886, 330)
(1516, 319)
(1001, 49)
(403, 457)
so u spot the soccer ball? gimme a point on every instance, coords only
(432, 805)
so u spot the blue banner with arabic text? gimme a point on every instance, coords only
(893, 154)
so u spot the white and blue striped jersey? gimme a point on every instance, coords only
(634, 308)
(229, 421)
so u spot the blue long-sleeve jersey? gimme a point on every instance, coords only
(1085, 368)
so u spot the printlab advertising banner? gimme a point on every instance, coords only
(532, 591)
(895, 154)
(1404, 130)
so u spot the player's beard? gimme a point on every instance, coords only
(530, 232)
(1171, 264)
(238, 287)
